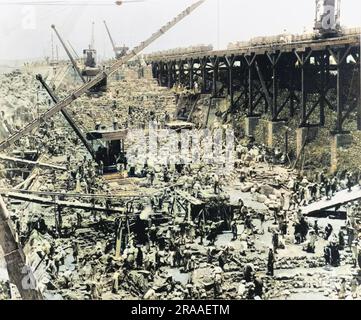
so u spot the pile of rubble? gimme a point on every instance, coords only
(21, 101)
(129, 103)
(191, 231)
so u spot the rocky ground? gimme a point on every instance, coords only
(93, 272)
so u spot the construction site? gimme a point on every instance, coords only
(191, 173)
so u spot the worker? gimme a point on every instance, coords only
(248, 223)
(316, 228)
(303, 229)
(328, 189)
(221, 260)
(341, 240)
(115, 282)
(335, 254)
(334, 185)
(355, 253)
(191, 264)
(151, 177)
(216, 185)
(191, 232)
(258, 287)
(328, 231)
(283, 225)
(248, 272)
(187, 254)
(209, 255)
(139, 258)
(270, 263)
(101, 168)
(218, 279)
(178, 256)
(234, 230)
(342, 289)
(75, 247)
(310, 246)
(153, 234)
(212, 235)
(261, 216)
(95, 292)
(349, 182)
(350, 234)
(201, 234)
(327, 255)
(275, 241)
(354, 285)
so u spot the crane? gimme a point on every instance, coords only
(68, 117)
(118, 51)
(99, 78)
(75, 65)
(92, 41)
(90, 55)
(68, 3)
(90, 64)
(90, 69)
(74, 51)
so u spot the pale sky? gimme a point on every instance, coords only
(216, 22)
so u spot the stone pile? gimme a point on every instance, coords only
(20, 101)
(130, 103)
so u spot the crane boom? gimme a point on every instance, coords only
(101, 76)
(68, 117)
(74, 51)
(92, 41)
(69, 54)
(110, 37)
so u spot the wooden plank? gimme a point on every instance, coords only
(341, 198)
(32, 163)
(15, 258)
(107, 135)
(67, 204)
(114, 195)
(315, 45)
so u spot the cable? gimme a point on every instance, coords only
(218, 24)
(68, 3)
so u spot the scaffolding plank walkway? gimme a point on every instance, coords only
(68, 204)
(32, 163)
(341, 198)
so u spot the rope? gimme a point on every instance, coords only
(66, 3)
